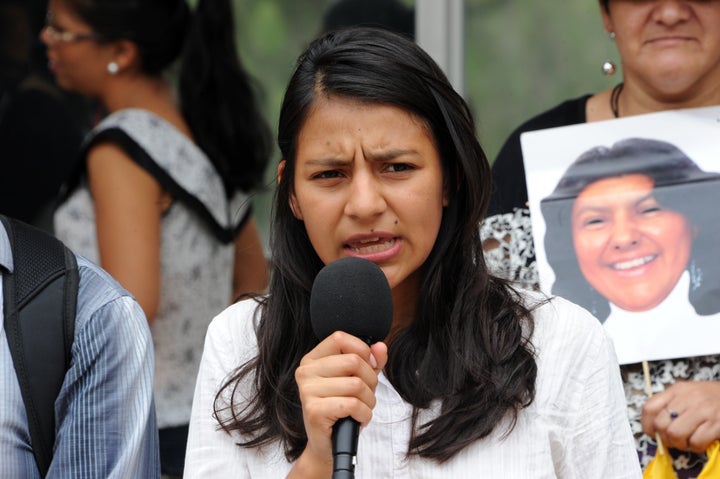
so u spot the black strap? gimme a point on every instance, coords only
(40, 298)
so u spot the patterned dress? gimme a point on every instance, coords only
(196, 250)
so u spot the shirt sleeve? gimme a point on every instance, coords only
(211, 451)
(105, 411)
(596, 437)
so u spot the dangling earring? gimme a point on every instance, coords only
(696, 276)
(608, 66)
(113, 68)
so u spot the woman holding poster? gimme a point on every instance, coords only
(670, 55)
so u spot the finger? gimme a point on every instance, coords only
(654, 416)
(340, 365)
(676, 431)
(379, 354)
(342, 387)
(339, 342)
(325, 412)
(704, 435)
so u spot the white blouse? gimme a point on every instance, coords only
(575, 428)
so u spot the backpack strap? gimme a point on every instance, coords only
(40, 298)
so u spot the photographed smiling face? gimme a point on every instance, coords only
(629, 247)
(368, 183)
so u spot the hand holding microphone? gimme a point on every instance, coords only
(351, 308)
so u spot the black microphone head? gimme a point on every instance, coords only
(351, 295)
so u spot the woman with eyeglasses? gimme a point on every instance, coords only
(162, 202)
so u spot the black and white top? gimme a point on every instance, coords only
(196, 250)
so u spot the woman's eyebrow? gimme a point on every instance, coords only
(387, 155)
(327, 161)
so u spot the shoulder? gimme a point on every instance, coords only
(556, 314)
(232, 332)
(567, 335)
(569, 112)
(103, 302)
(508, 170)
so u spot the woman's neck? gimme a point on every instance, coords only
(633, 99)
(149, 93)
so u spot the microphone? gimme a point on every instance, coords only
(350, 295)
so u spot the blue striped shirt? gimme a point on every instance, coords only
(104, 414)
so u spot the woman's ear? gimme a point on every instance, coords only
(293, 200)
(124, 53)
(607, 21)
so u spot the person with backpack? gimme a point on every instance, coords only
(76, 366)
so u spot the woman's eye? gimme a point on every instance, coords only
(326, 175)
(398, 167)
(594, 221)
(649, 209)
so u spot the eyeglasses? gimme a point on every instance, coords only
(56, 34)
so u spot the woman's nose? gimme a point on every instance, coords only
(624, 234)
(45, 36)
(671, 12)
(365, 196)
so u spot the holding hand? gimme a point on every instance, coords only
(686, 415)
(337, 379)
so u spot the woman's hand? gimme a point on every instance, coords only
(686, 415)
(336, 379)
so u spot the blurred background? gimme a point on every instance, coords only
(510, 59)
(519, 57)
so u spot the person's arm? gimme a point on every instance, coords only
(686, 415)
(250, 271)
(594, 440)
(212, 452)
(106, 415)
(128, 207)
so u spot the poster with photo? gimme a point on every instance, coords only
(626, 223)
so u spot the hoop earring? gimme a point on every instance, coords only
(113, 68)
(608, 67)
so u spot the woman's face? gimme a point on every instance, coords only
(78, 62)
(668, 47)
(369, 183)
(629, 248)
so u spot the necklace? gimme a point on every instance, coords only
(615, 98)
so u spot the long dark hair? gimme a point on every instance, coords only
(469, 342)
(671, 171)
(217, 95)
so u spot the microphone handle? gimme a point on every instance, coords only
(345, 441)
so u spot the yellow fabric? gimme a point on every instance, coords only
(661, 466)
(712, 468)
